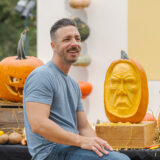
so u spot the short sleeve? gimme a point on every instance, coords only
(80, 104)
(38, 88)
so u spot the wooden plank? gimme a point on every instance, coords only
(11, 119)
(8, 103)
(127, 136)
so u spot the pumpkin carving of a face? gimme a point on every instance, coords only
(13, 73)
(125, 92)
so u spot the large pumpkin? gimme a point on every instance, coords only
(125, 91)
(14, 71)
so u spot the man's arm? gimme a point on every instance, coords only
(94, 143)
(84, 127)
(38, 116)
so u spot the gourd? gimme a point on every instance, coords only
(79, 4)
(150, 117)
(83, 28)
(125, 91)
(83, 60)
(85, 87)
(4, 139)
(15, 138)
(14, 71)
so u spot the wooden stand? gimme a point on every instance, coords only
(11, 116)
(128, 136)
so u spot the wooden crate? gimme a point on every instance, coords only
(127, 136)
(11, 116)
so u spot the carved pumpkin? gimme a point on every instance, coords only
(85, 87)
(125, 91)
(14, 71)
(79, 4)
(150, 117)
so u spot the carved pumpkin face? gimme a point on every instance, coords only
(13, 73)
(125, 92)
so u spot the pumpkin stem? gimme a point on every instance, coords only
(124, 55)
(20, 48)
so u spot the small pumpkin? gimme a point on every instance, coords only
(83, 28)
(85, 87)
(14, 71)
(125, 91)
(83, 60)
(79, 4)
(159, 120)
(15, 138)
(4, 139)
(150, 117)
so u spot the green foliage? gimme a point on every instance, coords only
(11, 26)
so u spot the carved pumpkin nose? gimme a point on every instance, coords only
(122, 89)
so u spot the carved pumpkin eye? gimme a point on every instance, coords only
(14, 79)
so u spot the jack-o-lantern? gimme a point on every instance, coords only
(125, 91)
(14, 71)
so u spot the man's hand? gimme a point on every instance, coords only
(95, 144)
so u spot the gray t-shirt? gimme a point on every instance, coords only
(49, 85)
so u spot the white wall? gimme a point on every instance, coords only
(108, 23)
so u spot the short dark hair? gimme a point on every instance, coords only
(61, 23)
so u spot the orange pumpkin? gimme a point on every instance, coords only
(125, 91)
(150, 117)
(159, 121)
(85, 87)
(79, 4)
(14, 71)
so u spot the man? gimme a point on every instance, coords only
(55, 122)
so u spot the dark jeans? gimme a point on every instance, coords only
(64, 152)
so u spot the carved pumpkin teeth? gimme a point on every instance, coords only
(15, 91)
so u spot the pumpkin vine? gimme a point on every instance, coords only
(20, 48)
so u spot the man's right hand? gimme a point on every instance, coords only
(95, 144)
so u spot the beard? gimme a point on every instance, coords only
(71, 55)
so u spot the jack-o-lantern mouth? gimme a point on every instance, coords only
(14, 90)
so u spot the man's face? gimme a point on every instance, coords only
(123, 90)
(67, 44)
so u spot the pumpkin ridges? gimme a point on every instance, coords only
(139, 115)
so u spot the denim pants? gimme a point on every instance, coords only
(65, 152)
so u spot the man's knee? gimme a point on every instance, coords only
(116, 156)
